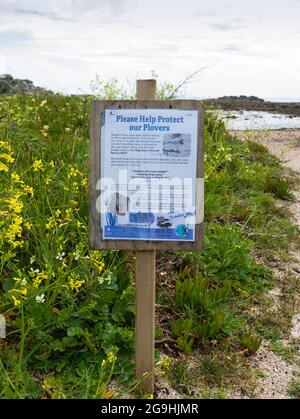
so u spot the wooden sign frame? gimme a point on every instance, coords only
(95, 231)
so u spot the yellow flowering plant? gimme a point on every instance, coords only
(69, 308)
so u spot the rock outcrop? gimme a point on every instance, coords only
(10, 86)
(253, 103)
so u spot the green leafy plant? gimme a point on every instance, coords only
(251, 342)
(203, 301)
(279, 186)
(182, 330)
(294, 389)
(282, 350)
(198, 295)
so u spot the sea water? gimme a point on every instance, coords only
(254, 120)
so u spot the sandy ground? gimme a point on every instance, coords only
(277, 372)
(285, 144)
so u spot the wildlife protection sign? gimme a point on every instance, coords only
(146, 175)
(149, 174)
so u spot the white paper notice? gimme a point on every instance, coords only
(149, 164)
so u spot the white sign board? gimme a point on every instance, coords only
(148, 174)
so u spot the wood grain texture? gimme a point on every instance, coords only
(95, 236)
(146, 89)
(145, 291)
(145, 319)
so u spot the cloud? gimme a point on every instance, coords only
(69, 63)
(14, 37)
(230, 25)
(66, 10)
(68, 41)
(3, 64)
(231, 48)
(204, 13)
(162, 50)
(48, 15)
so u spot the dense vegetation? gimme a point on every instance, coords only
(70, 311)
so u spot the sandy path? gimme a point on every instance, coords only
(278, 373)
(285, 144)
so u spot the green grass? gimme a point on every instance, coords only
(213, 373)
(294, 389)
(282, 350)
(62, 347)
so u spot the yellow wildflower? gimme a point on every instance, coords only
(69, 214)
(4, 145)
(228, 157)
(38, 165)
(108, 394)
(75, 283)
(99, 264)
(16, 301)
(21, 281)
(38, 279)
(28, 225)
(15, 230)
(164, 363)
(74, 172)
(15, 177)
(50, 223)
(28, 189)
(3, 167)
(24, 292)
(7, 157)
(111, 357)
(15, 204)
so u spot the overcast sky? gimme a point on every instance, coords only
(250, 47)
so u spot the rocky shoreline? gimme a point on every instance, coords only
(11, 86)
(253, 103)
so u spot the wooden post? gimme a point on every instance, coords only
(145, 290)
